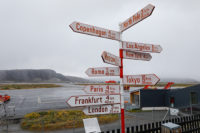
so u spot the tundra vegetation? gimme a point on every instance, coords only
(26, 86)
(60, 119)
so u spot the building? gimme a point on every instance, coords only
(177, 98)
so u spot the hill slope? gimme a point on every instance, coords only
(33, 75)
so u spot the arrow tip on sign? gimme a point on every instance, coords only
(72, 25)
(158, 79)
(160, 49)
(151, 7)
(87, 71)
(102, 55)
(150, 57)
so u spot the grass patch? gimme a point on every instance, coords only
(60, 119)
(26, 86)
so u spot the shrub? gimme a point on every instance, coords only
(53, 120)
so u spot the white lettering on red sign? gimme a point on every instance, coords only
(103, 71)
(111, 59)
(95, 31)
(139, 16)
(141, 47)
(86, 100)
(136, 55)
(102, 109)
(145, 79)
(102, 89)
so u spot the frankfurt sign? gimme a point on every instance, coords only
(88, 100)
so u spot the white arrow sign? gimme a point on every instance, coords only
(141, 47)
(111, 59)
(136, 55)
(102, 109)
(145, 79)
(139, 16)
(103, 71)
(88, 100)
(102, 89)
(94, 31)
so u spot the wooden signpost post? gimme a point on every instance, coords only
(110, 98)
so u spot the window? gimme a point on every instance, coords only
(194, 98)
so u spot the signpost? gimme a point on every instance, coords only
(102, 109)
(139, 16)
(102, 89)
(88, 100)
(136, 55)
(102, 71)
(145, 79)
(141, 47)
(127, 51)
(111, 59)
(94, 31)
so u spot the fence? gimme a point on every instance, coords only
(189, 124)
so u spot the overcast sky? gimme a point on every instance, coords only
(35, 34)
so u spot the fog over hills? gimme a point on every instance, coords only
(36, 75)
(48, 75)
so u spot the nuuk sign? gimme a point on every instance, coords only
(136, 55)
(94, 31)
(88, 100)
(141, 47)
(145, 79)
(102, 109)
(102, 89)
(102, 71)
(139, 16)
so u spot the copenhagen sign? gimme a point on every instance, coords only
(102, 71)
(88, 100)
(94, 31)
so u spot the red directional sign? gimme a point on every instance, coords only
(141, 47)
(94, 31)
(136, 55)
(102, 89)
(111, 59)
(102, 109)
(102, 71)
(139, 16)
(87, 100)
(145, 79)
